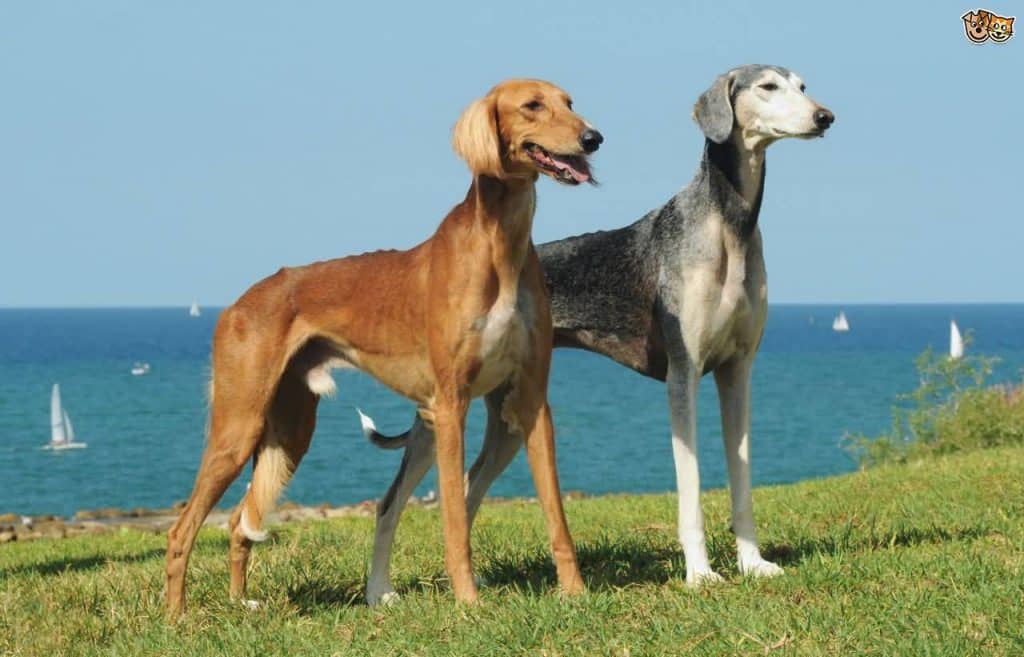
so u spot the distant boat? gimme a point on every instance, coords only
(193, 310)
(956, 341)
(62, 434)
(139, 368)
(839, 324)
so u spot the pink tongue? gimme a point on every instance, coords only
(579, 176)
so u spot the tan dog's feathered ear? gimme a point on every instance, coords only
(475, 138)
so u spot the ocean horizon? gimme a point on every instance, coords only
(145, 434)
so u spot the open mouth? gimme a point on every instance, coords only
(568, 169)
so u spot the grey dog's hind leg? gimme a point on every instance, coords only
(418, 457)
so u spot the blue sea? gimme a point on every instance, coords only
(145, 433)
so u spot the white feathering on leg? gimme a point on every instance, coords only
(254, 535)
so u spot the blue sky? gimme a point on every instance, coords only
(151, 154)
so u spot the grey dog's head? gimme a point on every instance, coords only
(763, 103)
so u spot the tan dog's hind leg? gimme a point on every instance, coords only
(285, 441)
(247, 363)
(233, 438)
(500, 446)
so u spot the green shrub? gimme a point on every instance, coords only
(950, 410)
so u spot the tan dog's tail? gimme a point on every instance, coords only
(378, 439)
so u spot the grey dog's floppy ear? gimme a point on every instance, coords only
(713, 110)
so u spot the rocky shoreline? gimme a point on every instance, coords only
(18, 528)
(14, 527)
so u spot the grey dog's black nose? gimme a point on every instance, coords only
(823, 118)
(590, 140)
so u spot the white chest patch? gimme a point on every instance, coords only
(723, 306)
(503, 342)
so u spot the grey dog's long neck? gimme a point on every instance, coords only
(737, 196)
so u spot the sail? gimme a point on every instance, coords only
(956, 341)
(840, 323)
(193, 310)
(57, 434)
(68, 429)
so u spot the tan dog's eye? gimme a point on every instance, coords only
(534, 105)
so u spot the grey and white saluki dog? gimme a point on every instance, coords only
(680, 293)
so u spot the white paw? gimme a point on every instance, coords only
(699, 578)
(760, 568)
(252, 605)
(383, 598)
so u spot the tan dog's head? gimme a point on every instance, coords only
(525, 127)
(976, 25)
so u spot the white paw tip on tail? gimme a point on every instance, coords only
(252, 605)
(369, 427)
(254, 535)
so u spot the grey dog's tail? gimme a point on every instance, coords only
(378, 439)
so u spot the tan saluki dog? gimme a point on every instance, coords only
(463, 314)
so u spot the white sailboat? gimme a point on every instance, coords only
(62, 433)
(140, 368)
(193, 310)
(840, 323)
(956, 341)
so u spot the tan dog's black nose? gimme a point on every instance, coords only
(823, 118)
(590, 140)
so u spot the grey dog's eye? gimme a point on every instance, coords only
(769, 86)
(803, 87)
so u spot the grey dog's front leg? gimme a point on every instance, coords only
(733, 381)
(682, 382)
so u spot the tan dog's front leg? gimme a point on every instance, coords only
(540, 452)
(449, 429)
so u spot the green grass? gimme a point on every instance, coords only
(920, 559)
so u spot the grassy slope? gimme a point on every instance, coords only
(925, 559)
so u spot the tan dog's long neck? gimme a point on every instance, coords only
(502, 211)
